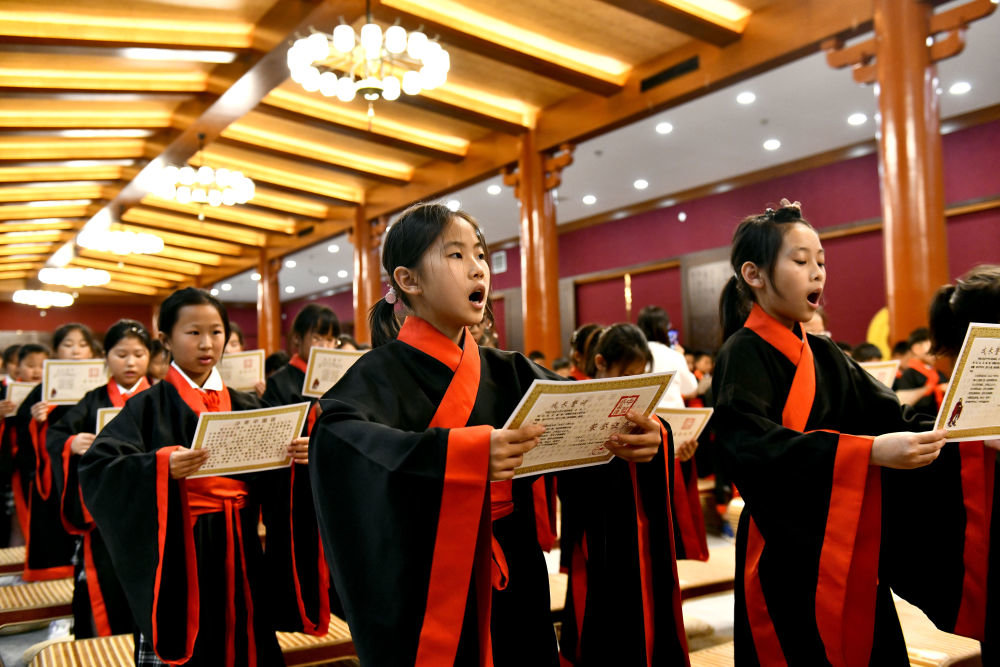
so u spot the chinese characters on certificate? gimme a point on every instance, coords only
(579, 417)
(971, 408)
(242, 370)
(248, 440)
(65, 382)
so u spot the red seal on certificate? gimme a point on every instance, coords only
(623, 405)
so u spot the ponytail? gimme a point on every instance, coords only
(383, 323)
(734, 307)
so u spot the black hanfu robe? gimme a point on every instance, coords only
(399, 460)
(795, 419)
(49, 548)
(623, 588)
(186, 551)
(100, 608)
(291, 595)
(9, 478)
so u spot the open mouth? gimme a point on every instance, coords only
(477, 297)
(813, 297)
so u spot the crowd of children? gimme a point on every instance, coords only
(400, 511)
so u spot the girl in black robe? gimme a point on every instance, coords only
(99, 604)
(185, 550)
(799, 425)
(949, 512)
(49, 547)
(623, 596)
(432, 546)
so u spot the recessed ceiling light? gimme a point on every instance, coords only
(453, 204)
(255, 276)
(929, 41)
(960, 88)
(589, 200)
(682, 216)
(857, 119)
(226, 287)
(290, 290)
(290, 264)
(342, 273)
(640, 184)
(746, 97)
(494, 189)
(179, 54)
(772, 145)
(333, 247)
(664, 128)
(324, 280)
(214, 292)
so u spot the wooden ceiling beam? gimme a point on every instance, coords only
(52, 192)
(21, 266)
(239, 215)
(472, 116)
(69, 148)
(42, 225)
(197, 229)
(128, 270)
(26, 248)
(145, 261)
(131, 286)
(467, 40)
(188, 255)
(56, 210)
(33, 237)
(179, 240)
(676, 17)
(14, 259)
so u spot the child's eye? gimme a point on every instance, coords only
(800, 262)
(457, 255)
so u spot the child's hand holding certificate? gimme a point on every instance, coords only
(580, 417)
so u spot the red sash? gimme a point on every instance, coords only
(297, 361)
(463, 539)
(978, 470)
(933, 383)
(199, 400)
(848, 565)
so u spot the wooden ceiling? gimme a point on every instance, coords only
(96, 94)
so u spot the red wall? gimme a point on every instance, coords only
(99, 317)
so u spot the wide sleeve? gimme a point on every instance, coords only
(378, 493)
(145, 521)
(80, 418)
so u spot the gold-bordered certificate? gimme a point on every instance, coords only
(18, 391)
(66, 381)
(325, 367)
(579, 417)
(248, 440)
(685, 423)
(971, 407)
(883, 371)
(242, 370)
(104, 416)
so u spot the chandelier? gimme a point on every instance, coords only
(369, 64)
(204, 185)
(119, 242)
(74, 277)
(42, 298)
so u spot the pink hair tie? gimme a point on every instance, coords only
(390, 296)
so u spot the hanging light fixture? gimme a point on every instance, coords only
(203, 185)
(74, 277)
(370, 64)
(42, 298)
(119, 242)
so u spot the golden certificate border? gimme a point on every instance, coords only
(105, 415)
(311, 367)
(976, 330)
(538, 389)
(26, 387)
(49, 364)
(247, 353)
(872, 366)
(206, 417)
(706, 414)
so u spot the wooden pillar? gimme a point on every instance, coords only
(909, 150)
(537, 175)
(268, 303)
(365, 237)
(154, 324)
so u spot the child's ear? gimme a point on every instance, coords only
(601, 362)
(752, 275)
(163, 339)
(407, 280)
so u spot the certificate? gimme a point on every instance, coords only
(326, 366)
(242, 370)
(18, 391)
(883, 371)
(65, 381)
(579, 417)
(971, 407)
(248, 440)
(685, 423)
(105, 415)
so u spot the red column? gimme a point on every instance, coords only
(268, 304)
(909, 149)
(367, 277)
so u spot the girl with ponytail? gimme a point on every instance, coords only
(807, 434)
(949, 512)
(428, 537)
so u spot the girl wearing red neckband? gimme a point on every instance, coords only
(99, 604)
(186, 550)
(429, 540)
(807, 434)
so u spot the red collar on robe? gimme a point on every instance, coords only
(421, 334)
(199, 400)
(298, 362)
(118, 398)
